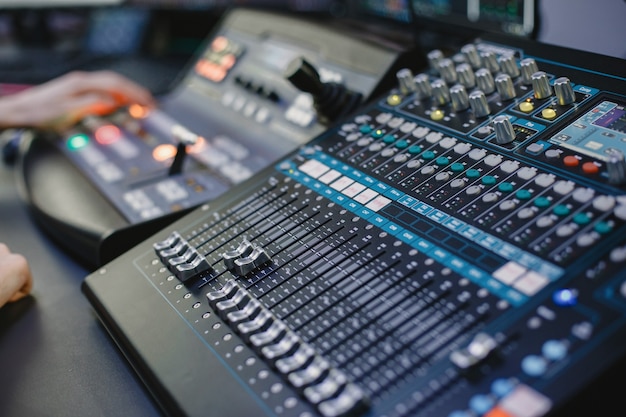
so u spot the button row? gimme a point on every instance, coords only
(322, 385)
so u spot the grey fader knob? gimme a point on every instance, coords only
(505, 87)
(616, 167)
(434, 57)
(541, 85)
(459, 98)
(508, 65)
(564, 91)
(422, 83)
(406, 83)
(528, 67)
(471, 55)
(478, 103)
(484, 81)
(490, 61)
(465, 75)
(441, 93)
(504, 130)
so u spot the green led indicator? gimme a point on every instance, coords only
(77, 142)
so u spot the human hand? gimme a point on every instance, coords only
(16, 280)
(63, 101)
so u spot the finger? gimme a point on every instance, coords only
(15, 278)
(76, 108)
(109, 82)
(4, 249)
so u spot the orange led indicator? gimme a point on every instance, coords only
(219, 44)
(198, 146)
(138, 111)
(107, 134)
(164, 152)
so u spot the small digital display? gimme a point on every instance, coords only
(396, 10)
(600, 130)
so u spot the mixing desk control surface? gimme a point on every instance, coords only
(455, 249)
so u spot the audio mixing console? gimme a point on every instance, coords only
(129, 168)
(456, 249)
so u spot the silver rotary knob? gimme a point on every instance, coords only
(541, 85)
(447, 70)
(505, 87)
(422, 84)
(528, 67)
(564, 92)
(406, 83)
(441, 93)
(616, 167)
(465, 75)
(478, 103)
(471, 55)
(484, 81)
(504, 130)
(434, 57)
(508, 65)
(459, 98)
(490, 61)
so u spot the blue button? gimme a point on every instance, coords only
(554, 350)
(534, 365)
(565, 297)
(480, 404)
(501, 387)
(459, 413)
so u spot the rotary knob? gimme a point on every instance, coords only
(490, 61)
(406, 83)
(564, 91)
(447, 70)
(541, 85)
(441, 93)
(509, 65)
(478, 103)
(504, 130)
(484, 81)
(422, 84)
(505, 87)
(465, 75)
(528, 68)
(459, 98)
(471, 55)
(434, 57)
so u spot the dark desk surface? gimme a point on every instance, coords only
(55, 357)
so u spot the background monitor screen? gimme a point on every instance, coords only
(516, 17)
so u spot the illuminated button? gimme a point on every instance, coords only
(437, 115)
(415, 149)
(378, 134)
(472, 173)
(77, 141)
(502, 387)
(388, 139)
(107, 134)
(554, 350)
(581, 219)
(164, 152)
(534, 365)
(523, 195)
(488, 180)
(548, 113)
(394, 100)
(571, 161)
(138, 111)
(526, 107)
(505, 187)
(480, 404)
(590, 168)
(365, 128)
(565, 297)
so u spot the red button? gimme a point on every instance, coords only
(590, 168)
(570, 161)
